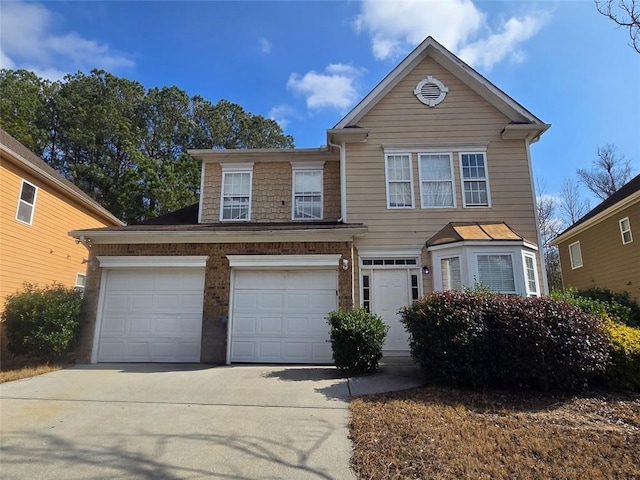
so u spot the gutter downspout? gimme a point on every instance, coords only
(343, 179)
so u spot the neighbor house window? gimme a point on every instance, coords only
(399, 181)
(575, 254)
(625, 231)
(81, 280)
(307, 195)
(451, 274)
(26, 202)
(496, 272)
(436, 180)
(236, 193)
(475, 184)
(531, 275)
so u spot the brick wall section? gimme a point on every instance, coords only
(217, 284)
(271, 192)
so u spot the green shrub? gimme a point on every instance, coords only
(624, 370)
(507, 341)
(43, 322)
(356, 339)
(622, 305)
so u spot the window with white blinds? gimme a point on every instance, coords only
(496, 272)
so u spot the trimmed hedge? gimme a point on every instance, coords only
(43, 322)
(356, 339)
(621, 304)
(624, 370)
(505, 341)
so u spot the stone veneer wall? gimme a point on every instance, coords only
(217, 283)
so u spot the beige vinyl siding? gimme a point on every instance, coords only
(40, 253)
(463, 118)
(606, 261)
(271, 191)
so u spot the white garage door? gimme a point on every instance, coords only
(152, 315)
(280, 316)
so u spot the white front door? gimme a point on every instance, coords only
(391, 291)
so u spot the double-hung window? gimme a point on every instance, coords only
(436, 180)
(475, 181)
(575, 255)
(399, 180)
(235, 203)
(451, 274)
(625, 231)
(26, 202)
(496, 272)
(530, 274)
(307, 191)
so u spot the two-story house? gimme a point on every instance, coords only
(599, 249)
(425, 185)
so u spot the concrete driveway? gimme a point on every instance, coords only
(171, 421)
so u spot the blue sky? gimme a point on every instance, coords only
(306, 64)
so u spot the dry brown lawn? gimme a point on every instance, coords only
(15, 368)
(446, 433)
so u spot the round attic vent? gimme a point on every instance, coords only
(430, 91)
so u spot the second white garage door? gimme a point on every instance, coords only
(280, 316)
(152, 315)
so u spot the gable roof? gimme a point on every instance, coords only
(38, 167)
(629, 191)
(470, 77)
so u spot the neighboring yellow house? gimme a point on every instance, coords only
(38, 207)
(602, 249)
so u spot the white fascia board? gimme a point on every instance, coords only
(622, 204)
(524, 131)
(123, 261)
(90, 204)
(390, 252)
(279, 261)
(484, 243)
(145, 237)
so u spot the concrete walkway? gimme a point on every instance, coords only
(184, 421)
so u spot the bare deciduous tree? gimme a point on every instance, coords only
(625, 13)
(609, 173)
(550, 226)
(572, 207)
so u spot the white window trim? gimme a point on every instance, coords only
(573, 265)
(297, 167)
(439, 269)
(135, 261)
(386, 179)
(532, 256)
(453, 178)
(33, 205)
(78, 275)
(486, 178)
(622, 231)
(236, 168)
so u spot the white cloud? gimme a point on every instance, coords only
(28, 41)
(282, 114)
(498, 46)
(396, 28)
(265, 45)
(334, 88)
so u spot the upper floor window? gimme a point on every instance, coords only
(26, 202)
(575, 255)
(399, 180)
(475, 182)
(436, 180)
(496, 272)
(235, 203)
(625, 231)
(307, 190)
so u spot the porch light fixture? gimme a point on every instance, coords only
(345, 264)
(426, 270)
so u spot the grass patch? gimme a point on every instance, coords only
(447, 433)
(15, 368)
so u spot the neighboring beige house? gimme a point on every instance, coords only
(425, 185)
(600, 250)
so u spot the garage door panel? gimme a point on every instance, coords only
(286, 324)
(151, 316)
